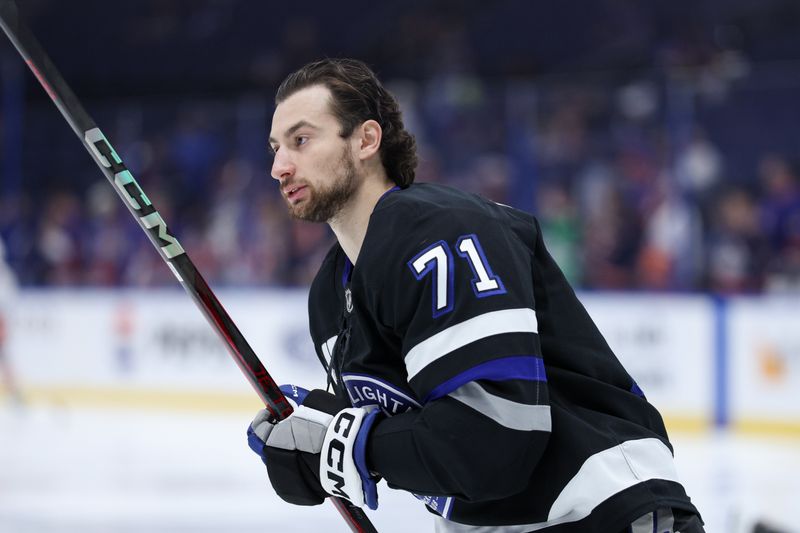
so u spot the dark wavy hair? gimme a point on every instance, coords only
(359, 96)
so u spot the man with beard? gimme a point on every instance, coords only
(463, 368)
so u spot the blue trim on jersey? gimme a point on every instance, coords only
(527, 367)
(348, 270)
(448, 507)
(441, 505)
(501, 289)
(637, 390)
(365, 390)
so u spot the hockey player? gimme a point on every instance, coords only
(463, 366)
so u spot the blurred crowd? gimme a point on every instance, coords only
(676, 173)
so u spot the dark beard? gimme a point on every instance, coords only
(325, 203)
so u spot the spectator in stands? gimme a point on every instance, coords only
(736, 248)
(780, 222)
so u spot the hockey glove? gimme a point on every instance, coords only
(319, 450)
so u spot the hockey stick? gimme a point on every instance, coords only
(156, 229)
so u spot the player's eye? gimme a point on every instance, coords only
(300, 140)
(273, 150)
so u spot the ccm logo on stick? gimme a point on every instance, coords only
(133, 194)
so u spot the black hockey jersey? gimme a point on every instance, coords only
(506, 407)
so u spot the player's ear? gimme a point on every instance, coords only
(370, 138)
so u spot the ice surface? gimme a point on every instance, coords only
(78, 470)
(66, 470)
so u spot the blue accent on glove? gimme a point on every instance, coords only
(360, 456)
(255, 443)
(294, 394)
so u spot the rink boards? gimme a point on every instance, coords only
(702, 361)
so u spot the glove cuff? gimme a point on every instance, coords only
(340, 474)
(360, 456)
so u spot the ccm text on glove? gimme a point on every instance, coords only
(319, 450)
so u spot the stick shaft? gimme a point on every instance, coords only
(154, 226)
(141, 208)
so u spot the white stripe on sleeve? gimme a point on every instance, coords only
(477, 328)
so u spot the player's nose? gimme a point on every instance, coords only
(282, 166)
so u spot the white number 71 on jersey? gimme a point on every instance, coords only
(437, 260)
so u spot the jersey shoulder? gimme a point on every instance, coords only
(431, 200)
(407, 221)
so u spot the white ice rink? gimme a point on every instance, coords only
(71, 470)
(69, 466)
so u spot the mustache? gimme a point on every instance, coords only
(290, 185)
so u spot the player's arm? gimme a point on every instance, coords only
(484, 449)
(472, 356)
